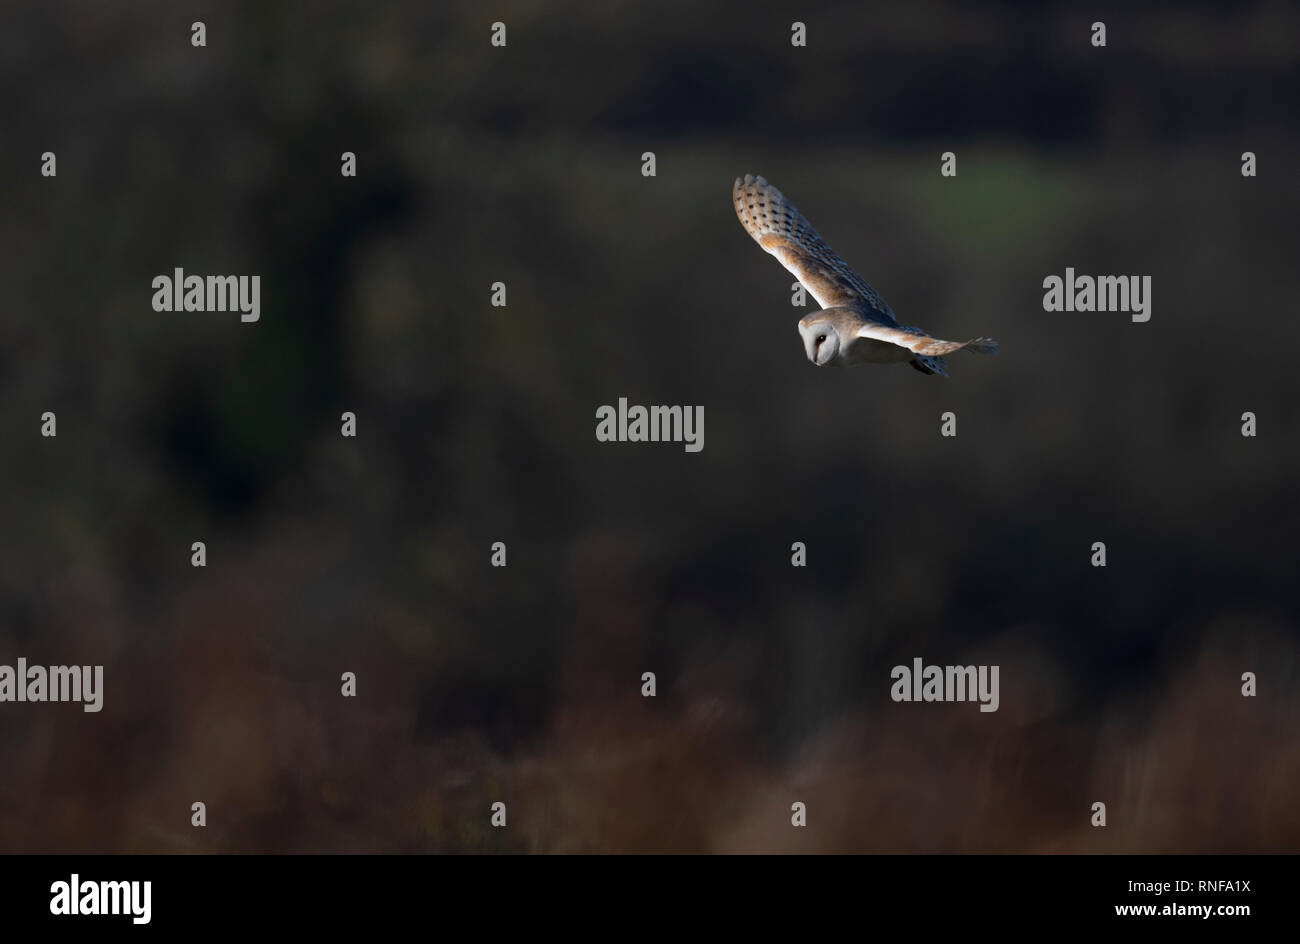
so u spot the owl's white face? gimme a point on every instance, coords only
(820, 340)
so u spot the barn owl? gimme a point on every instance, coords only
(855, 326)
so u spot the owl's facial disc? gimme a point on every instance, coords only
(820, 341)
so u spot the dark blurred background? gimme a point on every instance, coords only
(476, 424)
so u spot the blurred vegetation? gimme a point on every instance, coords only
(477, 425)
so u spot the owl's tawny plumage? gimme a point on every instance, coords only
(856, 326)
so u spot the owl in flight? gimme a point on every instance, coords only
(855, 326)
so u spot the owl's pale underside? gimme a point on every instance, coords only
(855, 326)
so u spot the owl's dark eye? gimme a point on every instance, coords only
(821, 339)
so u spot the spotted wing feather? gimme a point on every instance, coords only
(778, 226)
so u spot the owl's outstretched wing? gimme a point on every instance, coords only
(778, 226)
(918, 342)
